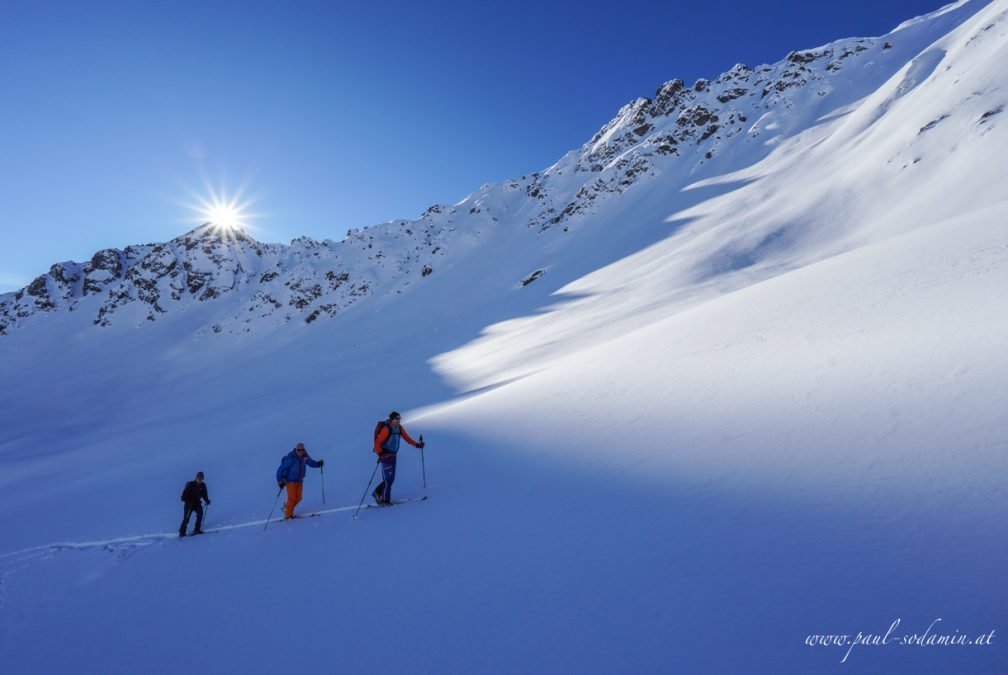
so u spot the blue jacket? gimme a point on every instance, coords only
(292, 467)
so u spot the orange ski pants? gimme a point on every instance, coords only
(293, 497)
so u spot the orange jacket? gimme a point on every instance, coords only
(384, 434)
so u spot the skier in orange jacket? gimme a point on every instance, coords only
(386, 445)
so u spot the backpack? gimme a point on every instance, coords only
(378, 427)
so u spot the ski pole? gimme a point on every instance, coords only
(322, 471)
(271, 509)
(423, 464)
(206, 510)
(364, 496)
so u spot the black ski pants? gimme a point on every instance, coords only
(196, 508)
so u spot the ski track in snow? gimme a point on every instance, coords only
(125, 547)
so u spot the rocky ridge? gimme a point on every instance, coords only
(680, 129)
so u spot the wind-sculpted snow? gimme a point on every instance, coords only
(880, 136)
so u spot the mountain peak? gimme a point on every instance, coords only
(208, 232)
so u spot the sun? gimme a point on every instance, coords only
(225, 215)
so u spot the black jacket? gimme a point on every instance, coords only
(193, 491)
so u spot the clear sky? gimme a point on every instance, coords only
(116, 117)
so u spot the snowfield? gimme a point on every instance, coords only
(750, 394)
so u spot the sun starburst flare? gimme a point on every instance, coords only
(226, 215)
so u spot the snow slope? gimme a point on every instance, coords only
(751, 397)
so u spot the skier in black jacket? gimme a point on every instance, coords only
(194, 491)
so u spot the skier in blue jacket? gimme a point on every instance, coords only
(291, 474)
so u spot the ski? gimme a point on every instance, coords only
(315, 514)
(319, 514)
(396, 502)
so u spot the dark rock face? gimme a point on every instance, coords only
(802, 57)
(697, 116)
(336, 280)
(708, 132)
(669, 97)
(932, 124)
(532, 277)
(65, 275)
(433, 211)
(535, 188)
(37, 288)
(732, 94)
(990, 113)
(666, 145)
(105, 267)
(303, 295)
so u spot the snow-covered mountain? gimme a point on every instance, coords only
(729, 376)
(254, 282)
(665, 143)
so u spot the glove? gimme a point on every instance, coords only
(321, 463)
(421, 445)
(208, 502)
(281, 483)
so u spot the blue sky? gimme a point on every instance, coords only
(115, 117)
